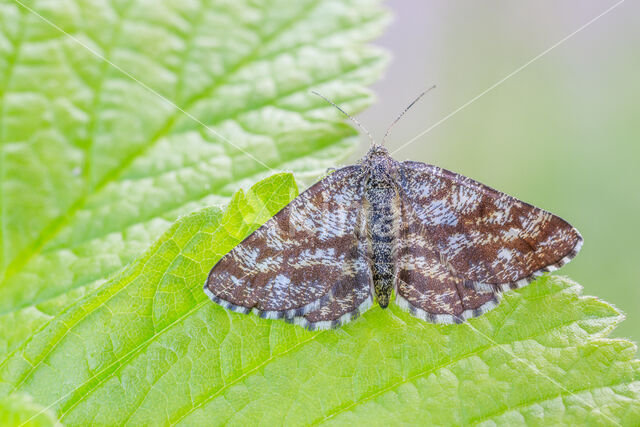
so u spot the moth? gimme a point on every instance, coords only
(447, 247)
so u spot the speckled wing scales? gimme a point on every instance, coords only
(306, 264)
(470, 242)
(352, 293)
(425, 284)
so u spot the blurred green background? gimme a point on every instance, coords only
(563, 134)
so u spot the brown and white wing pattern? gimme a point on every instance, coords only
(427, 287)
(305, 263)
(348, 297)
(463, 241)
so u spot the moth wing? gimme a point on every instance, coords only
(352, 293)
(290, 265)
(427, 288)
(487, 238)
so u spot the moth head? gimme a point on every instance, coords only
(380, 165)
(377, 152)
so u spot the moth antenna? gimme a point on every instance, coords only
(405, 110)
(357, 123)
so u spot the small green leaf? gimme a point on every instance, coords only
(94, 166)
(149, 348)
(21, 410)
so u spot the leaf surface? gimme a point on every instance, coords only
(115, 117)
(149, 348)
(20, 409)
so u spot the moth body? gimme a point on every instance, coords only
(382, 223)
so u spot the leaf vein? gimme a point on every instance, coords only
(437, 368)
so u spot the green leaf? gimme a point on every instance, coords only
(94, 166)
(149, 348)
(21, 410)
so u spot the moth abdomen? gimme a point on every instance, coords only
(382, 200)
